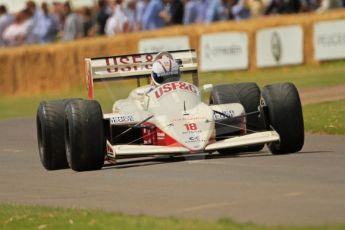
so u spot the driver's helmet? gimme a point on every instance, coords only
(165, 69)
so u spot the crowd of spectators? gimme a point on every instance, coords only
(59, 22)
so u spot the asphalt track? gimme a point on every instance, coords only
(303, 188)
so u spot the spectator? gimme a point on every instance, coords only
(87, 21)
(191, 9)
(241, 10)
(326, 5)
(5, 20)
(58, 15)
(176, 11)
(16, 33)
(104, 12)
(73, 27)
(256, 8)
(141, 7)
(202, 10)
(118, 22)
(155, 15)
(309, 5)
(49, 26)
(283, 7)
(216, 10)
(36, 30)
(131, 12)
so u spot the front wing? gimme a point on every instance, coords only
(245, 140)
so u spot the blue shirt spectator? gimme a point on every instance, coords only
(49, 27)
(202, 10)
(240, 10)
(35, 31)
(155, 15)
(191, 10)
(216, 10)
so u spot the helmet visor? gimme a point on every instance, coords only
(166, 77)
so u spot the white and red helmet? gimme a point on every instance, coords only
(165, 69)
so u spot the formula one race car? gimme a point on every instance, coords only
(168, 119)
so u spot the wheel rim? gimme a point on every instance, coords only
(40, 140)
(67, 141)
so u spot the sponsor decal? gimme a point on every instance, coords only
(175, 86)
(224, 51)
(194, 139)
(164, 44)
(121, 119)
(192, 131)
(276, 46)
(218, 116)
(329, 40)
(332, 39)
(126, 61)
(189, 119)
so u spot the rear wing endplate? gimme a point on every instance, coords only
(134, 66)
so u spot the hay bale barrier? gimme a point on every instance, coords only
(38, 69)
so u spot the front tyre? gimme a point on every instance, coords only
(247, 94)
(84, 135)
(285, 116)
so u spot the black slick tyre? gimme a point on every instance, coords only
(285, 116)
(84, 135)
(247, 94)
(50, 120)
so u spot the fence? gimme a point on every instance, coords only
(37, 69)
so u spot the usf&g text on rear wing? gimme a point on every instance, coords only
(134, 66)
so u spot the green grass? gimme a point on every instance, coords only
(324, 75)
(326, 117)
(34, 217)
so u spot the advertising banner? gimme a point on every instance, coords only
(329, 40)
(279, 46)
(224, 51)
(150, 45)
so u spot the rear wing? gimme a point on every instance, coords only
(134, 66)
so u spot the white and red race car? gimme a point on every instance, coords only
(171, 119)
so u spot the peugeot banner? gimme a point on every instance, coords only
(329, 40)
(224, 51)
(279, 46)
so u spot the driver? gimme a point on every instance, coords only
(164, 69)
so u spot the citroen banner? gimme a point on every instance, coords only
(279, 46)
(224, 51)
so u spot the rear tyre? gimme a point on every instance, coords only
(50, 134)
(247, 94)
(285, 116)
(84, 135)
